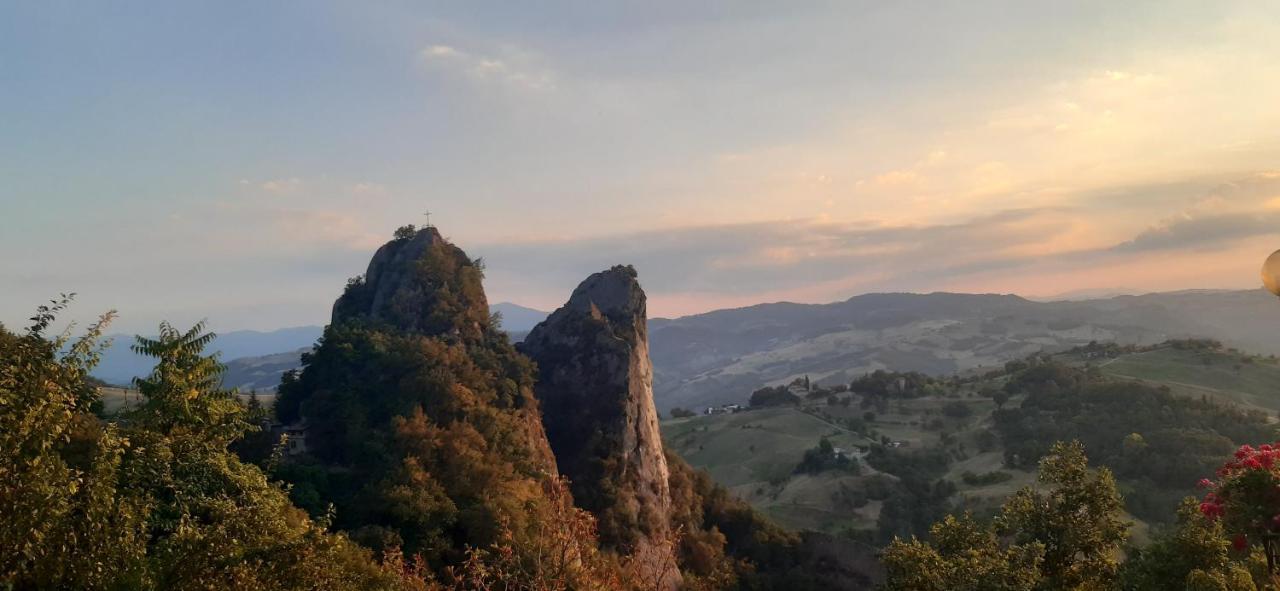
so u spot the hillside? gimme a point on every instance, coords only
(1248, 380)
(719, 357)
(974, 438)
(120, 364)
(256, 359)
(429, 433)
(755, 453)
(517, 319)
(262, 372)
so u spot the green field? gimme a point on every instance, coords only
(1252, 382)
(755, 454)
(115, 400)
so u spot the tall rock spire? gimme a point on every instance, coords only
(419, 282)
(595, 386)
(426, 410)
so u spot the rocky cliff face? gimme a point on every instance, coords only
(426, 410)
(420, 283)
(595, 386)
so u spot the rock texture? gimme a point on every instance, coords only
(595, 386)
(419, 283)
(426, 409)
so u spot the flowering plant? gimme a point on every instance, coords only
(1246, 495)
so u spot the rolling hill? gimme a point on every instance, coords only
(120, 365)
(756, 452)
(1248, 380)
(256, 359)
(720, 357)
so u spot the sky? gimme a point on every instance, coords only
(238, 161)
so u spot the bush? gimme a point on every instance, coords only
(773, 396)
(985, 479)
(957, 410)
(824, 457)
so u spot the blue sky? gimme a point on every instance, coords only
(239, 160)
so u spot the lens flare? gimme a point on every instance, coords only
(1271, 273)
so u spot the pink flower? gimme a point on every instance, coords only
(1205, 483)
(1239, 542)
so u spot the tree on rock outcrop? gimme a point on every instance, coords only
(421, 424)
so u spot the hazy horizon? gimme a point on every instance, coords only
(238, 162)
(1086, 295)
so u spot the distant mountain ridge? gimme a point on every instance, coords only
(517, 319)
(255, 359)
(721, 356)
(120, 365)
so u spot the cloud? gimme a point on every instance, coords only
(369, 190)
(1202, 231)
(743, 259)
(439, 51)
(325, 227)
(1028, 250)
(485, 68)
(896, 178)
(284, 186)
(1232, 211)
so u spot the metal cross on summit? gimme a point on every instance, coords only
(428, 214)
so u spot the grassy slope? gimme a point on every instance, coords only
(1249, 381)
(754, 452)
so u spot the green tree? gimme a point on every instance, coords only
(1194, 556)
(680, 413)
(1067, 537)
(1078, 520)
(61, 524)
(1000, 397)
(963, 555)
(422, 426)
(183, 394)
(157, 502)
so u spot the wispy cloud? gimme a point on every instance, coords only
(482, 67)
(282, 186)
(369, 190)
(816, 260)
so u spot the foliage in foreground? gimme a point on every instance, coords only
(156, 502)
(1071, 536)
(1065, 537)
(1134, 429)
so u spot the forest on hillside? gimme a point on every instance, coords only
(157, 498)
(427, 466)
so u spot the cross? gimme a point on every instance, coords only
(428, 214)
